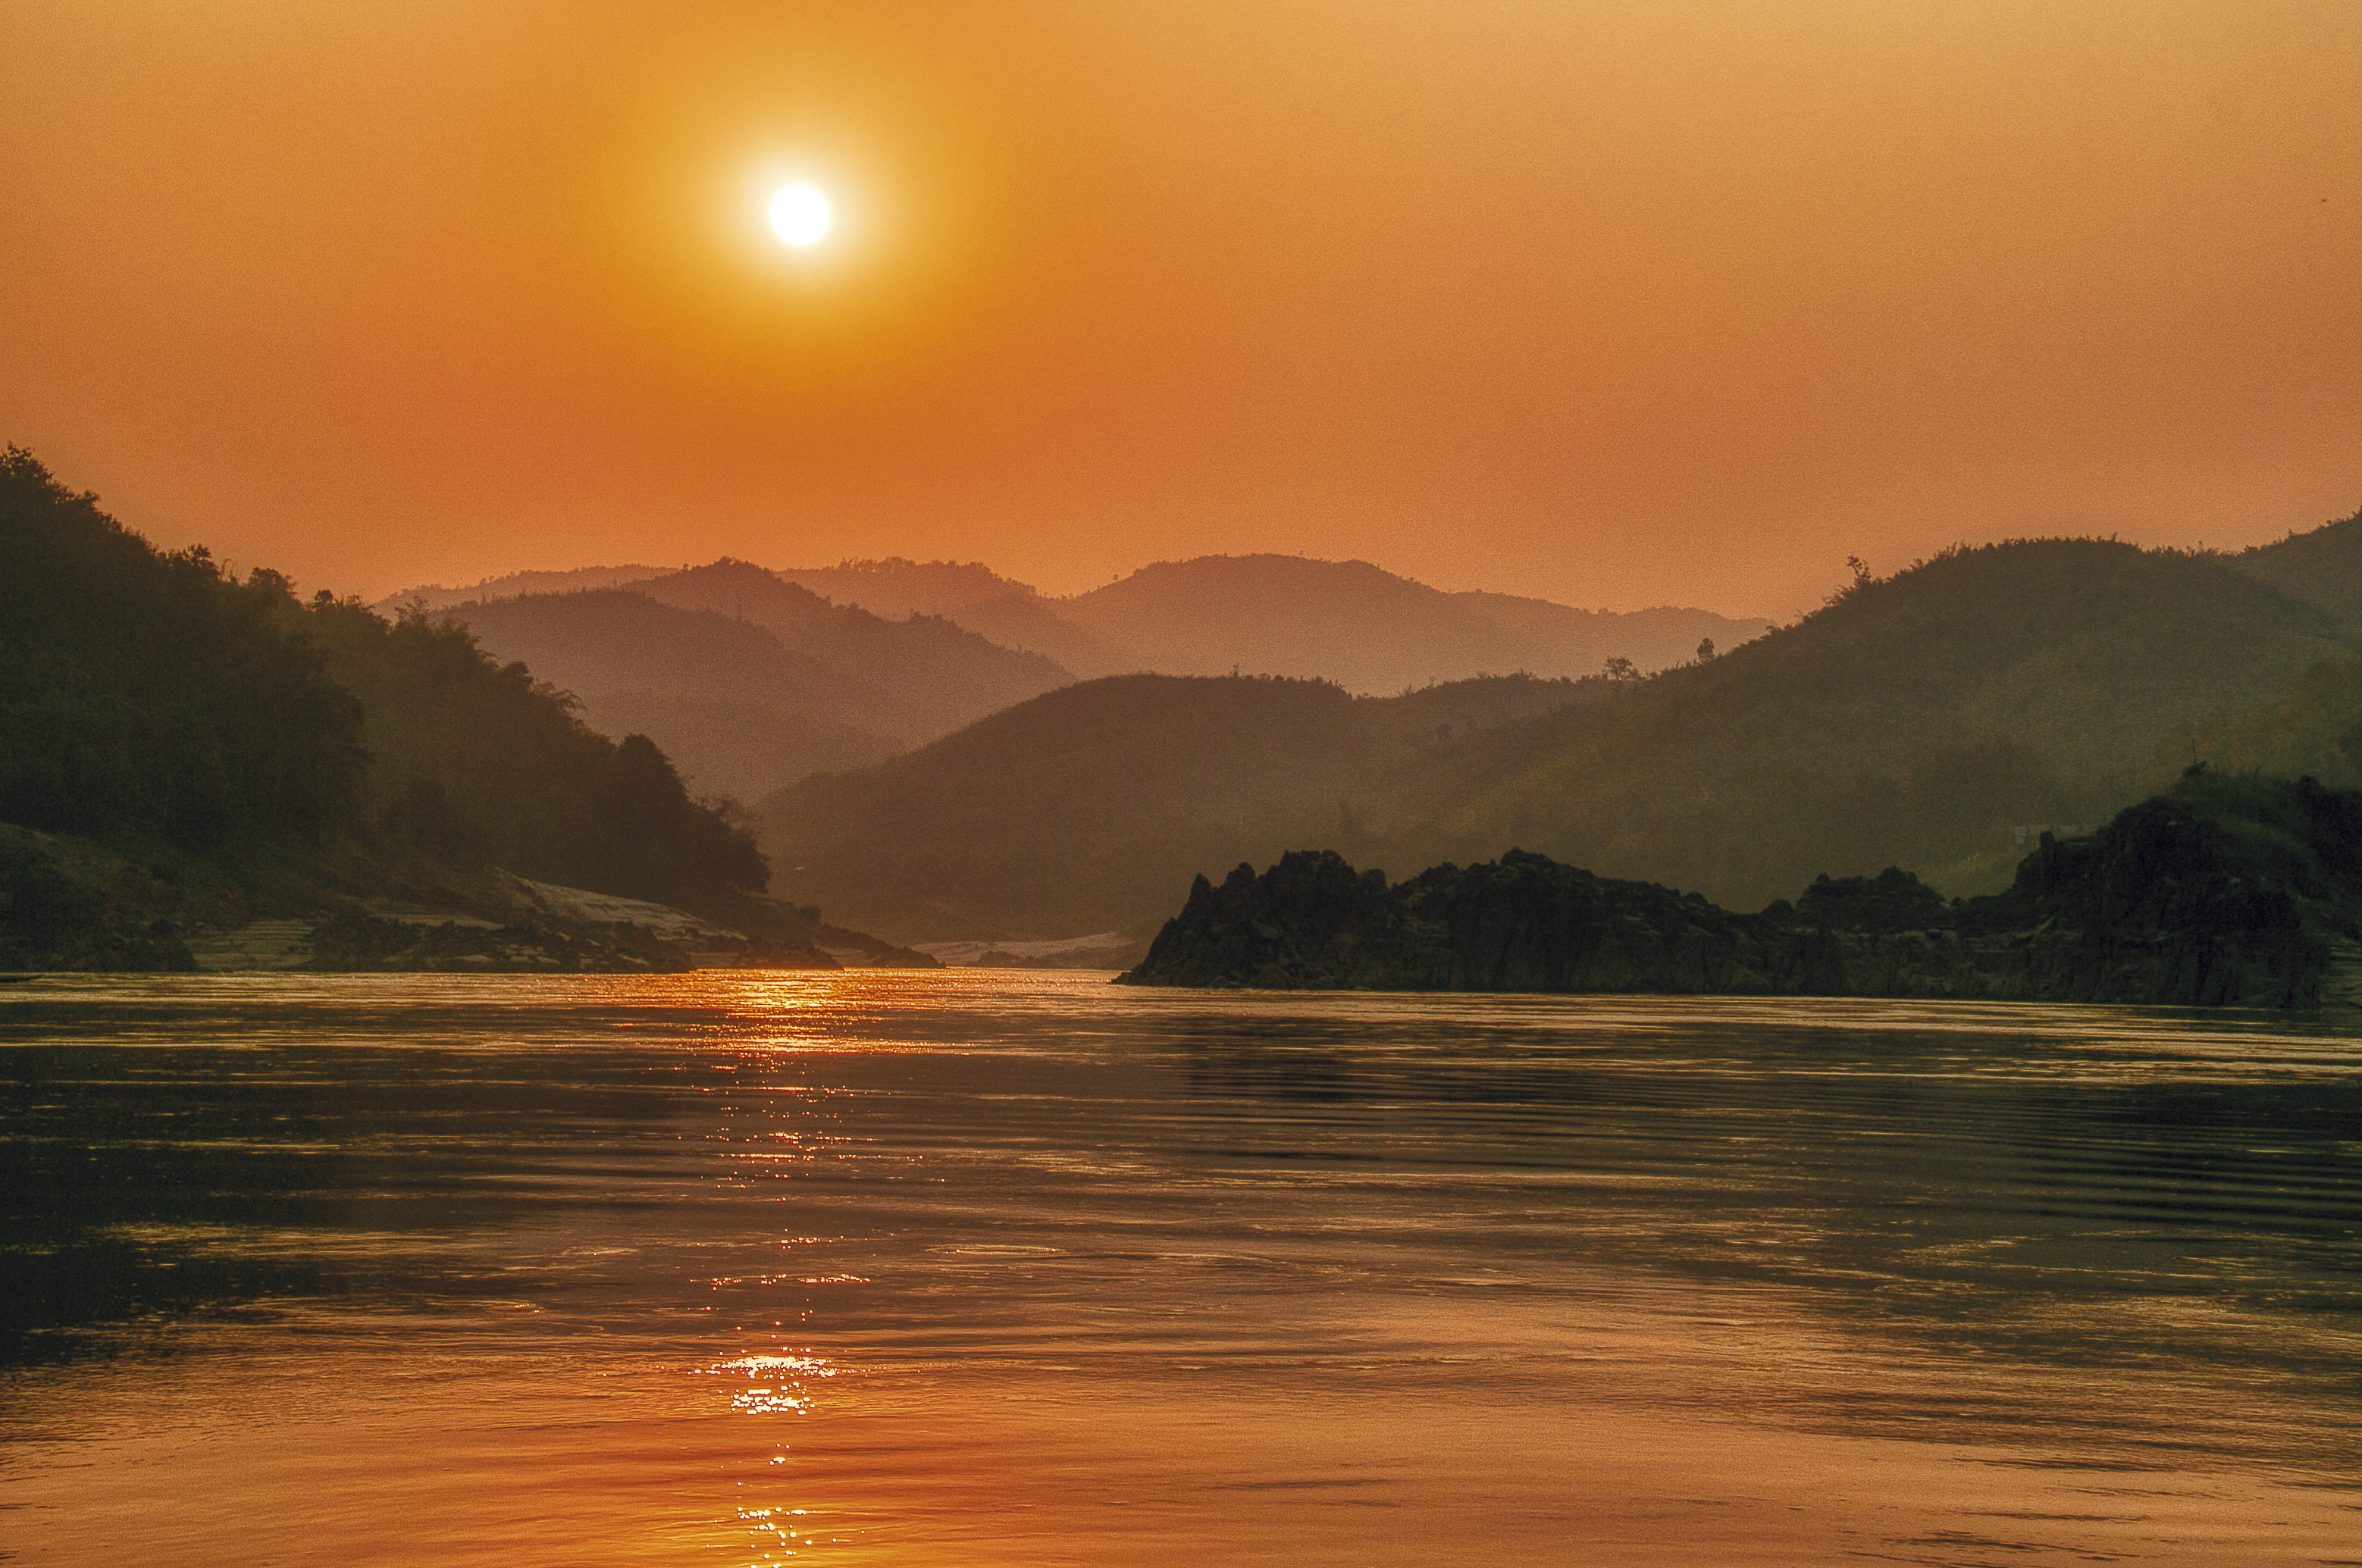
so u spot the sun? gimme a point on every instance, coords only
(801, 215)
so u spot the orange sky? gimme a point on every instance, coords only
(1617, 303)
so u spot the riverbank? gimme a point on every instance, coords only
(74, 904)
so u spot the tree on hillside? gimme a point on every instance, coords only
(1858, 580)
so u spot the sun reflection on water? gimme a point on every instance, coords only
(774, 1383)
(464, 1271)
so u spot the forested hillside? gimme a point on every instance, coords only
(1913, 721)
(1931, 719)
(156, 692)
(149, 698)
(2224, 893)
(574, 579)
(1082, 810)
(2320, 566)
(474, 761)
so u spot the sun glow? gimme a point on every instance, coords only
(801, 215)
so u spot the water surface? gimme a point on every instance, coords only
(1007, 1267)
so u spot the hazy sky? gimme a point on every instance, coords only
(1617, 303)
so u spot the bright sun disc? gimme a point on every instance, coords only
(799, 215)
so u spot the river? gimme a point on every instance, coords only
(1006, 1268)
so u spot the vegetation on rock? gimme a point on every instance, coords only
(2224, 893)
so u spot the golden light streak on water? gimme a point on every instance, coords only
(1004, 1269)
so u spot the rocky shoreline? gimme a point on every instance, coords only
(2226, 893)
(72, 905)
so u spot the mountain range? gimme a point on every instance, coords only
(1937, 719)
(748, 681)
(754, 678)
(238, 752)
(1082, 810)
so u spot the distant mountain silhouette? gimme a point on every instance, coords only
(434, 596)
(930, 675)
(753, 679)
(2320, 566)
(895, 586)
(738, 747)
(1560, 640)
(972, 595)
(1925, 721)
(1366, 628)
(1088, 807)
(749, 682)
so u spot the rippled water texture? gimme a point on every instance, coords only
(996, 1268)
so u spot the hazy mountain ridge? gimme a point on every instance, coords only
(751, 682)
(434, 596)
(896, 585)
(1926, 720)
(869, 658)
(2320, 566)
(924, 666)
(1368, 629)
(1084, 809)
(1562, 640)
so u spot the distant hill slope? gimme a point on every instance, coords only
(1366, 628)
(434, 596)
(1915, 721)
(931, 675)
(751, 682)
(1090, 808)
(1561, 640)
(1911, 722)
(971, 595)
(2322, 566)
(896, 587)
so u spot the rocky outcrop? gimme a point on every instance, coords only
(70, 904)
(2227, 892)
(65, 904)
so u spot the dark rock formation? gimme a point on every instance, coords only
(2226, 892)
